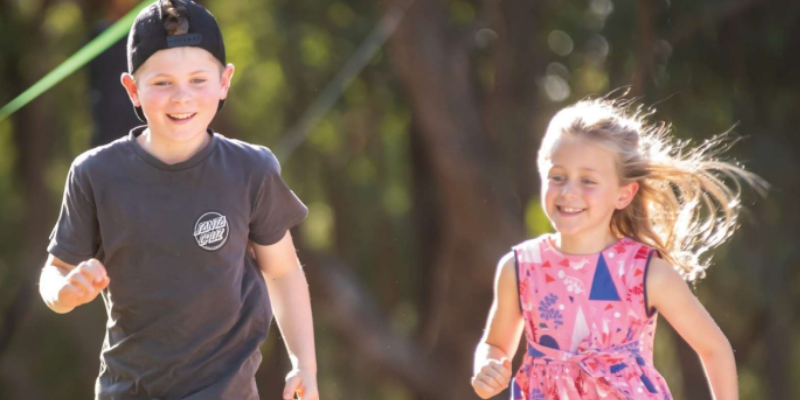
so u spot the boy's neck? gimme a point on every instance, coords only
(170, 152)
(583, 243)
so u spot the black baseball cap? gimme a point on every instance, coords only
(148, 35)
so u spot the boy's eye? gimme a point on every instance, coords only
(557, 178)
(198, 80)
(161, 83)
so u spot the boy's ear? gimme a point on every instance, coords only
(626, 195)
(130, 86)
(227, 76)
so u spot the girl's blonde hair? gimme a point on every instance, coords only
(688, 199)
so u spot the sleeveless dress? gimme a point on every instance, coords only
(589, 331)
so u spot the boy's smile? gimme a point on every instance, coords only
(180, 118)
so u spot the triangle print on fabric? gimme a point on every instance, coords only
(581, 330)
(603, 287)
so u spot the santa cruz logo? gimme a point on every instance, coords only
(211, 231)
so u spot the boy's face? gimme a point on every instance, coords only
(179, 90)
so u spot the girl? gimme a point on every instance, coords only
(633, 213)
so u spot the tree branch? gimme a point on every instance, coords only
(366, 329)
(715, 14)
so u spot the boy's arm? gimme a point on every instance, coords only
(64, 286)
(670, 295)
(492, 368)
(291, 304)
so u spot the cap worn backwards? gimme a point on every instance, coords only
(150, 33)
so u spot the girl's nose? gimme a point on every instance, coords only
(569, 189)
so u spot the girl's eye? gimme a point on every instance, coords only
(588, 182)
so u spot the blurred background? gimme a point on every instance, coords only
(422, 173)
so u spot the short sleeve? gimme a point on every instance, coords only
(75, 237)
(276, 208)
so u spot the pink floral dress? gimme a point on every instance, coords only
(589, 331)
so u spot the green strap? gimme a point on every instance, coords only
(79, 59)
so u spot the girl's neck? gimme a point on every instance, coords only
(170, 152)
(584, 243)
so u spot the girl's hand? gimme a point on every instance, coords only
(493, 378)
(304, 384)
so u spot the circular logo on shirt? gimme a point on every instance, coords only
(211, 231)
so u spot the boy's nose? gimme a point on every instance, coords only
(181, 94)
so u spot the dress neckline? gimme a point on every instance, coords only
(548, 241)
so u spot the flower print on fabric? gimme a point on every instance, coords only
(573, 284)
(635, 292)
(549, 313)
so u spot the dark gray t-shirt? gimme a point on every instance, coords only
(187, 306)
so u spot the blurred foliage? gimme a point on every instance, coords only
(707, 66)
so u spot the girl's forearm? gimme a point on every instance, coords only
(291, 305)
(720, 367)
(485, 352)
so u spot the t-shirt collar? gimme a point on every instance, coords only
(152, 160)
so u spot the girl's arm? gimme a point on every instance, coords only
(291, 304)
(500, 340)
(670, 295)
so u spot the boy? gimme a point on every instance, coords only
(175, 225)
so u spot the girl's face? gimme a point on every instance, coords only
(580, 187)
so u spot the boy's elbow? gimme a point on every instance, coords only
(51, 301)
(60, 310)
(49, 288)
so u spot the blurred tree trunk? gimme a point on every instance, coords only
(112, 111)
(478, 208)
(32, 135)
(519, 60)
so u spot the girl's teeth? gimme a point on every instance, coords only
(570, 210)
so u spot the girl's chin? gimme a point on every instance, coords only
(567, 230)
(569, 227)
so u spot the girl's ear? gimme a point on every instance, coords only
(130, 86)
(626, 195)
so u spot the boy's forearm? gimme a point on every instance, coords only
(291, 305)
(50, 283)
(720, 367)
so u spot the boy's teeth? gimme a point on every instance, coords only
(181, 116)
